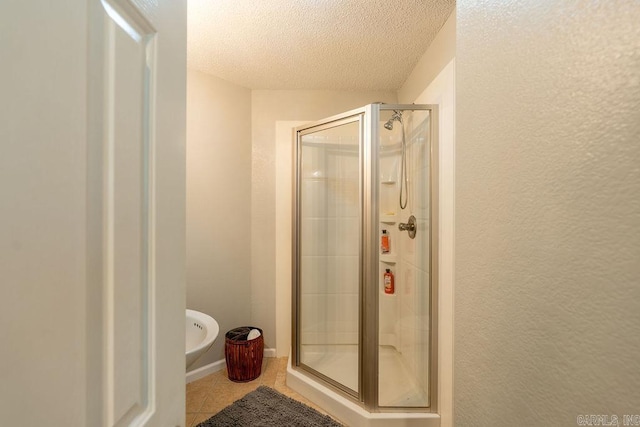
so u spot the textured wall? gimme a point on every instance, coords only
(547, 314)
(218, 204)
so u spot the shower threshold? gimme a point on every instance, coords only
(397, 386)
(349, 412)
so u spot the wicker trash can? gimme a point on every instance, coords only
(244, 357)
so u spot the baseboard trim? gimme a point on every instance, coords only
(205, 370)
(216, 366)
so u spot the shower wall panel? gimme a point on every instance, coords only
(329, 265)
(413, 289)
(404, 315)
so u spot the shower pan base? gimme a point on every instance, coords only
(350, 413)
(338, 361)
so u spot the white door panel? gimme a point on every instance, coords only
(129, 70)
(92, 212)
(142, 384)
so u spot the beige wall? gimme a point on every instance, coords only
(547, 302)
(218, 204)
(440, 53)
(268, 107)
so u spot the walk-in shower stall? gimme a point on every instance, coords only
(365, 256)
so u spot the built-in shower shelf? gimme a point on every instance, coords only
(388, 182)
(388, 219)
(388, 295)
(388, 259)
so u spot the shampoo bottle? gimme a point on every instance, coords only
(384, 242)
(389, 285)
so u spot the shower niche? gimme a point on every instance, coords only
(357, 174)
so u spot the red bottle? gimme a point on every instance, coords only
(389, 285)
(384, 242)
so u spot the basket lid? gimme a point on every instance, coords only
(241, 333)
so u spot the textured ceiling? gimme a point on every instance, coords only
(312, 44)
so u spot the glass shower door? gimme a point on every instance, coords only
(328, 264)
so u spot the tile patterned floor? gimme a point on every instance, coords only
(209, 395)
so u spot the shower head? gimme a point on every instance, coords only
(397, 115)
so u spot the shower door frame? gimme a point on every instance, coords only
(369, 118)
(353, 116)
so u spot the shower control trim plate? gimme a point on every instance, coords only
(409, 227)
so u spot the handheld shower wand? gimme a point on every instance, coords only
(404, 179)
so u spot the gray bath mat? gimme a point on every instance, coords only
(265, 407)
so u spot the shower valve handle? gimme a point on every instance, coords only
(406, 227)
(409, 227)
